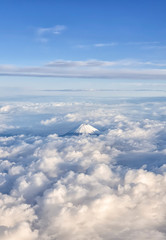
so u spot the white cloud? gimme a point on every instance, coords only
(44, 34)
(112, 44)
(97, 45)
(22, 231)
(123, 69)
(49, 121)
(85, 187)
(15, 170)
(143, 43)
(5, 109)
(57, 29)
(15, 219)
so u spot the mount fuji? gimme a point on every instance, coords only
(84, 129)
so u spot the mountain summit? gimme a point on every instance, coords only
(86, 129)
(83, 129)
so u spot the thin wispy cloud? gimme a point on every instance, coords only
(147, 45)
(95, 63)
(142, 43)
(112, 44)
(158, 47)
(122, 69)
(54, 30)
(97, 45)
(43, 34)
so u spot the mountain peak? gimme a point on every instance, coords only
(86, 129)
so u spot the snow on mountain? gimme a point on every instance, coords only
(86, 129)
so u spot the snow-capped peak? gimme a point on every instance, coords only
(86, 129)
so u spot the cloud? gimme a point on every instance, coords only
(110, 186)
(15, 219)
(123, 69)
(147, 45)
(58, 29)
(44, 34)
(112, 44)
(143, 43)
(5, 109)
(22, 231)
(162, 47)
(97, 45)
(49, 121)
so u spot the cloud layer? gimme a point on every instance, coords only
(123, 69)
(83, 187)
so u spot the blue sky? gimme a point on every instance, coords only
(110, 36)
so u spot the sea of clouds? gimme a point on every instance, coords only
(59, 187)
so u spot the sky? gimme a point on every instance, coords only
(67, 40)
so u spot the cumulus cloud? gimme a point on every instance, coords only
(16, 218)
(110, 186)
(49, 121)
(5, 109)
